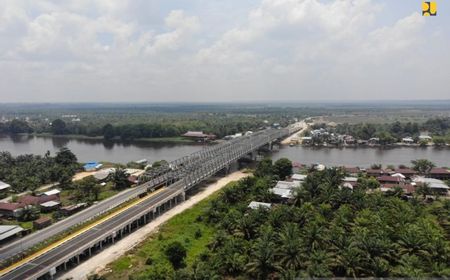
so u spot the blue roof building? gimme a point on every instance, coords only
(92, 165)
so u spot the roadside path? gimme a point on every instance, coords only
(97, 263)
(303, 126)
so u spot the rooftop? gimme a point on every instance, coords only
(10, 206)
(51, 203)
(4, 185)
(256, 205)
(7, 231)
(437, 170)
(432, 183)
(298, 177)
(389, 179)
(52, 192)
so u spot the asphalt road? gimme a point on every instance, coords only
(31, 269)
(59, 227)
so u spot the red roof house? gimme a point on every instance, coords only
(439, 173)
(389, 180)
(36, 200)
(10, 209)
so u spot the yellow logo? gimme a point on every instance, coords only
(429, 9)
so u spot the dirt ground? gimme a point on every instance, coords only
(98, 262)
(302, 125)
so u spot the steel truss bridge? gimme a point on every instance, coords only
(179, 176)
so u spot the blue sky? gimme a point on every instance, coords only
(208, 51)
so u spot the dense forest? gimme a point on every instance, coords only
(131, 121)
(325, 231)
(28, 172)
(172, 126)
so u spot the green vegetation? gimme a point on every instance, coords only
(394, 132)
(186, 228)
(28, 172)
(325, 231)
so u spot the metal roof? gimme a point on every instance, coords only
(50, 203)
(8, 231)
(51, 192)
(256, 205)
(4, 185)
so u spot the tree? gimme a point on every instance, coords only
(19, 126)
(264, 168)
(29, 213)
(290, 251)
(176, 253)
(120, 179)
(65, 157)
(58, 127)
(283, 168)
(423, 166)
(262, 258)
(108, 132)
(89, 188)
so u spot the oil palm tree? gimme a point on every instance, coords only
(262, 256)
(290, 250)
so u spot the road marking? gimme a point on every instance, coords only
(75, 234)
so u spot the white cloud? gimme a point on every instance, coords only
(282, 49)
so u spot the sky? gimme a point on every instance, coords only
(222, 51)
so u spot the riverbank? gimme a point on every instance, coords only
(176, 139)
(128, 252)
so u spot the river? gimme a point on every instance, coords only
(98, 150)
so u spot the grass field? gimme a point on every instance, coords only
(183, 228)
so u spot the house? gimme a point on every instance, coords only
(102, 175)
(52, 192)
(439, 173)
(374, 141)
(284, 189)
(350, 179)
(306, 140)
(92, 166)
(425, 138)
(11, 210)
(435, 185)
(408, 189)
(141, 161)
(407, 140)
(49, 206)
(4, 187)
(199, 135)
(36, 200)
(133, 179)
(72, 209)
(256, 205)
(346, 185)
(8, 232)
(349, 140)
(42, 222)
(349, 182)
(385, 179)
(407, 172)
(399, 175)
(353, 171)
(375, 172)
(298, 177)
